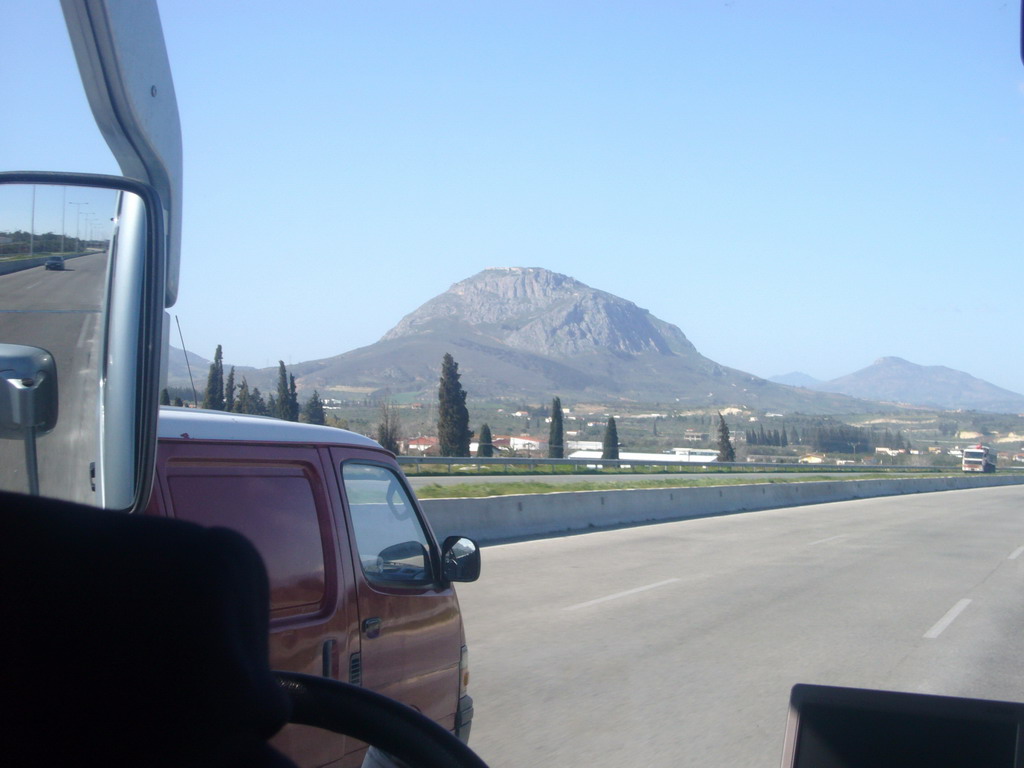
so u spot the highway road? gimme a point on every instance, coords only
(677, 644)
(59, 311)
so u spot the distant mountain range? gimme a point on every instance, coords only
(796, 379)
(526, 334)
(522, 333)
(895, 380)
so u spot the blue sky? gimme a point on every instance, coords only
(796, 185)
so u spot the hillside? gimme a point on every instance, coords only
(525, 334)
(796, 379)
(530, 333)
(894, 380)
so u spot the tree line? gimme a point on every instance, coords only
(21, 242)
(774, 437)
(222, 394)
(454, 435)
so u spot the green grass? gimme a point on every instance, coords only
(497, 471)
(498, 488)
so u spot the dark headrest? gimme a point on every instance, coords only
(131, 640)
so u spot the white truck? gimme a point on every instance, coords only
(979, 458)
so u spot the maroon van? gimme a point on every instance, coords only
(360, 591)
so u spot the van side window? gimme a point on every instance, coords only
(276, 510)
(392, 544)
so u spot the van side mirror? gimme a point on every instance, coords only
(460, 559)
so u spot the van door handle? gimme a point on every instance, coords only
(371, 627)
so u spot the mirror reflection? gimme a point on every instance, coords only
(55, 266)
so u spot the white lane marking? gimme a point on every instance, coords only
(948, 619)
(830, 538)
(617, 595)
(1016, 553)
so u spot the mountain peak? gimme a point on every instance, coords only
(544, 312)
(893, 379)
(528, 333)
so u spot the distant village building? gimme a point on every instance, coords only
(527, 443)
(584, 445)
(419, 445)
(889, 451)
(695, 456)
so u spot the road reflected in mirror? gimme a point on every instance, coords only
(54, 271)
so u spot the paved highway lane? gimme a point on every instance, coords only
(59, 311)
(677, 644)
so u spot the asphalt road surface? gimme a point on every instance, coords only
(59, 311)
(677, 644)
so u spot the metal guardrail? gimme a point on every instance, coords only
(591, 465)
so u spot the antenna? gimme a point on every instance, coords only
(195, 397)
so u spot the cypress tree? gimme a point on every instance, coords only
(293, 399)
(214, 397)
(485, 449)
(453, 431)
(725, 449)
(229, 391)
(257, 405)
(389, 427)
(243, 403)
(165, 397)
(556, 444)
(610, 444)
(179, 402)
(315, 409)
(280, 408)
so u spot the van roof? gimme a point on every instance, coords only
(200, 424)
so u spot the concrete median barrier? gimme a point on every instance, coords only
(8, 266)
(17, 265)
(494, 519)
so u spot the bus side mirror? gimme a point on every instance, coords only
(82, 268)
(28, 389)
(28, 400)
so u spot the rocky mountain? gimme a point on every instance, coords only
(894, 380)
(520, 332)
(527, 334)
